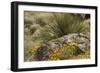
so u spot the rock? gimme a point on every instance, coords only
(80, 41)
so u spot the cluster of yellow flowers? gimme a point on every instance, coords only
(64, 52)
(56, 54)
(34, 49)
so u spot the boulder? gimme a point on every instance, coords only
(76, 42)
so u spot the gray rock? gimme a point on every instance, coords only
(82, 39)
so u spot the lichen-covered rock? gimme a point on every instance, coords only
(64, 47)
(82, 39)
